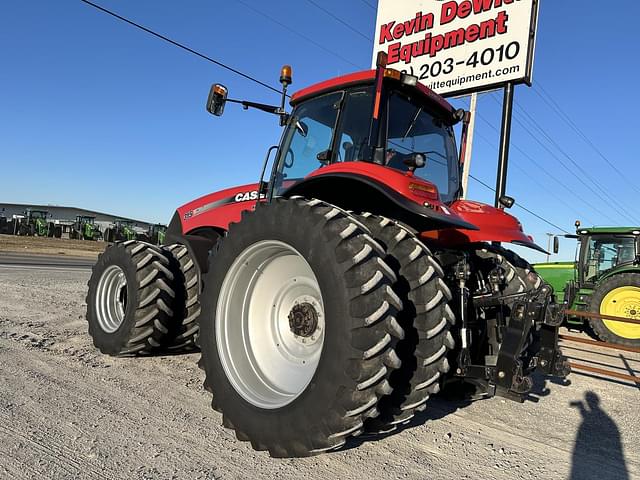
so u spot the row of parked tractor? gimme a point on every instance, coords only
(39, 223)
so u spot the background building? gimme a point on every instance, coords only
(67, 214)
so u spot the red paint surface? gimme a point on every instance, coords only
(218, 217)
(367, 76)
(495, 225)
(395, 179)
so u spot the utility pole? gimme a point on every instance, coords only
(549, 240)
(467, 156)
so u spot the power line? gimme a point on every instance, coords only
(540, 184)
(180, 45)
(565, 154)
(339, 20)
(368, 4)
(295, 32)
(563, 115)
(572, 172)
(522, 207)
(540, 167)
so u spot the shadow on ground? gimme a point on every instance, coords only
(597, 451)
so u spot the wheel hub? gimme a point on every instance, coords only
(622, 302)
(111, 298)
(303, 320)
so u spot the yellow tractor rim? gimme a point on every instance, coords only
(622, 302)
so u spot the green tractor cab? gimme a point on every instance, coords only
(604, 279)
(155, 234)
(85, 228)
(35, 223)
(122, 230)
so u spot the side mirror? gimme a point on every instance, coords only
(415, 160)
(556, 245)
(217, 99)
(506, 201)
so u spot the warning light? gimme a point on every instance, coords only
(391, 73)
(285, 75)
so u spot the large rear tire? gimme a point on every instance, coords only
(130, 299)
(618, 296)
(426, 319)
(298, 327)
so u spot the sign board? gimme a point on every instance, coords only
(457, 47)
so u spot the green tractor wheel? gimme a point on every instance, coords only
(617, 296)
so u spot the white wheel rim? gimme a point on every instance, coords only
(267, 351)
(111, 298)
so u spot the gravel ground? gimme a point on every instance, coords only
(67, 411)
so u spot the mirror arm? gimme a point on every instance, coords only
(259, 106)
(284, 116)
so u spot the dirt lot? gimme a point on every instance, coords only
(50, 246)
(68, 412)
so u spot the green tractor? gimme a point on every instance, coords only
(604, 279)
(85, 228)
(121, 230)
(155, 234)
(36, 223)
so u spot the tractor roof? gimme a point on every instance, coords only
(366, 77)
(609, 230)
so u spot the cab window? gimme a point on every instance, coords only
(605, 253)
(307, 143)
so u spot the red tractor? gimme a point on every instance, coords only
(335, 297)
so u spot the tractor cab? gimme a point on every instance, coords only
(85, 219)
(155, 234)
(602, 251)
(36, 214)
(379, 141)
(395, 124)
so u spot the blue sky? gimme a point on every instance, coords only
(95, 113)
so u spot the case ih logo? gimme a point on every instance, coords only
(246, 196)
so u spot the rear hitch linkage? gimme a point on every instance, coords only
(531, 313)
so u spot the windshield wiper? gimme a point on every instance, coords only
(413, 122)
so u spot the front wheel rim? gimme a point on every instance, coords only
(111, 298)
(270, 324)
(622, 302)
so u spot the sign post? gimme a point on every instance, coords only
(458, 47)
(505, 138)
